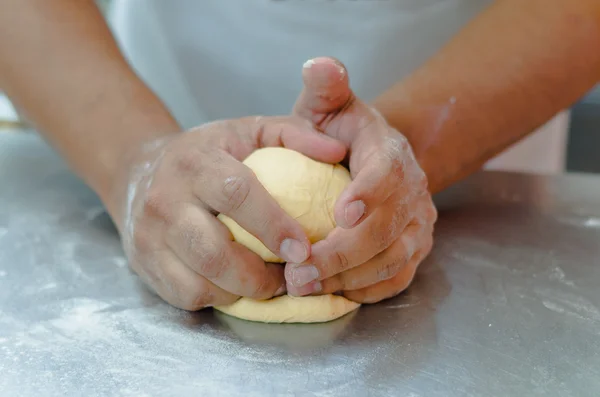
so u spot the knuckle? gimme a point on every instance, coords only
(411, 240)
(395, 162)
(193, 294)
(381, 294)
(189, 160)
(369, 121)
(426, 250)
(273, 231)
(155, 204)
(421, 184)
(432, 214)
(370, 299)
(404, 144)
(396, 146)
(390, 294)
(201, 299)
(142, 241)
(389, 269)
(212, 261)
(404, 279)
(430, 241)
(149, 277)
(382, 235)
(397, 166)
(381, 240)
(374, 298)
(196, 299)
(306, 123)
(235, 191)
(397, 155)
(340, 261)
(261, 289)
(188, 233)
(138, 268)
(338, 283)
(425, 212)
(368, 295)
(356, 296)
(135, 266)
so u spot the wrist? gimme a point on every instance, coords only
(125, 138)
(403, 115)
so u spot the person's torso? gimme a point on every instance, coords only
(215, 59)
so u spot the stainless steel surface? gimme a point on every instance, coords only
(507, 305)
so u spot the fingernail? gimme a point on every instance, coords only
(354, 211)
(303, 275)
(308, 64)
(312, 288)
(293, 251)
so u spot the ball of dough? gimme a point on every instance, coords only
(304, 188)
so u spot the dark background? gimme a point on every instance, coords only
(584, 135)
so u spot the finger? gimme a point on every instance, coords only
(328, 101)
(426, 212)
(203, 244)
(227, 186)
(240, 137)
(387, 288)
(345, 249)
(381, 267)
(299, 134)
(387, 169)
(326, 89)
(178, 285)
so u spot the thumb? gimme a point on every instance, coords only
(326, 89)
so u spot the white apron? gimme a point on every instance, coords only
(215, 59)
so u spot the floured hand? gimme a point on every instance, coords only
(386, 215)
(172, 190)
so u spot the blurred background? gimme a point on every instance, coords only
(582, 148)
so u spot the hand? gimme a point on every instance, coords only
(174, 189)
(385, 217)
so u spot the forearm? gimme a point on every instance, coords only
(61, 66)
(504, 75)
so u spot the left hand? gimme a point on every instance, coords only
(385, 216)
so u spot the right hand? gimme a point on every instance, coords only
(175, 187)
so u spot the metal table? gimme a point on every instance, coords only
(508, 304)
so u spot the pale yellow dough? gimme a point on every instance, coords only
(306, 190)
(290, 309)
